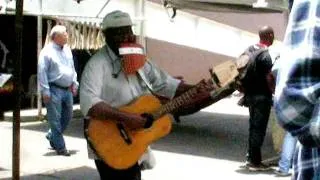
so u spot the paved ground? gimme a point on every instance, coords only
(210, 144)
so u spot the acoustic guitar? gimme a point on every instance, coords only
(120, 147)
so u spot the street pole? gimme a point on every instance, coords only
(17, 91)
(39, 47)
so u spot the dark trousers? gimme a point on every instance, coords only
(259, 111)
(108, 173)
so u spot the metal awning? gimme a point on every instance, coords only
(97, 8)
(239, 6)
(87, 8)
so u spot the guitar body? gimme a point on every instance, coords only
(112, 148)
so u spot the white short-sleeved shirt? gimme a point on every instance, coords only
(98, 83)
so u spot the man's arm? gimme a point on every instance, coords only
(102, 110)
(205, 96)
(299, 116)
(183, 87)
(271, 81)
(43, 65)
(266, 66)
(75, 83)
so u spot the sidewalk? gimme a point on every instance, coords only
(38, 161)
(209, 144)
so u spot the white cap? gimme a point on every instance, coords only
(116, 19)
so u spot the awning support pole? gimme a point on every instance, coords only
(39, 47)
(17, 91)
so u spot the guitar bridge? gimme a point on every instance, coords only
(124, 134)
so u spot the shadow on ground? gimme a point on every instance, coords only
(242, 170)
(84, 172)
(220, 136)
(53, 153)
(214, 135)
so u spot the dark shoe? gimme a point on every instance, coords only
(63, 152)
(50, 142)
(281, 173)
(256, 167)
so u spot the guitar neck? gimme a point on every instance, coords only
(175, 103)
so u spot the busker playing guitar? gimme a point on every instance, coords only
(119, 75)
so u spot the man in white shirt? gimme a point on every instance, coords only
(109, 82)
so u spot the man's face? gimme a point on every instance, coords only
(62, 38)
(116, 36)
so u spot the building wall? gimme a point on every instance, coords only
(197, 40)
(250, 22)
(191, 63)
(245, 21)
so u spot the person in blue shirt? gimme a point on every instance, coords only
(287, 151)
(58, 84)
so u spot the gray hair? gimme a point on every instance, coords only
(57, 29)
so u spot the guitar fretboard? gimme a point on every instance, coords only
(175, 103)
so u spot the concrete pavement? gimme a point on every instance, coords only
(210, 144)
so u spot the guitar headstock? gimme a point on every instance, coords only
(224, 73)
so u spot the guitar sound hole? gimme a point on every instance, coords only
(149, 121)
